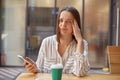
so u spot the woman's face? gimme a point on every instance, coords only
(65, 23)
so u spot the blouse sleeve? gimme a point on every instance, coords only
(81, 64)
(40, 59)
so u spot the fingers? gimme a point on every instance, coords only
(76, 25)
(72, 22)
(32, 68)
(76, 30)
(75, 22)
(29, 60)
(30, 65)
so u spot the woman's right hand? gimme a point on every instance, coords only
(30, 65)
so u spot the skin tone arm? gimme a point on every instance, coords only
(78, 36)
(81, 67)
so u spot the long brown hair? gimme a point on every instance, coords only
(76, 15)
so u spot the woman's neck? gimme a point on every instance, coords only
(65, 40)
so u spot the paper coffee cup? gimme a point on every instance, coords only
(56, 71)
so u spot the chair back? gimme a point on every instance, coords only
(114, 58)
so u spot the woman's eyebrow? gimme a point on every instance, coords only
(66, 19)
(69, 19)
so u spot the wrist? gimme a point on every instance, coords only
(80, 41)
(80, 46)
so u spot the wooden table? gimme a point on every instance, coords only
(44, 76)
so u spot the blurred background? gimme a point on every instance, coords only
(24, 24)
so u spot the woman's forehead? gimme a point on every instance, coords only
(66, 15)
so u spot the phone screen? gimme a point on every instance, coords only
(20, 57)
(23, 59)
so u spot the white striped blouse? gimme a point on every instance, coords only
(73, 62)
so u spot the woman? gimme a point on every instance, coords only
(67, 47)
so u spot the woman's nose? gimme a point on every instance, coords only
(63, 24)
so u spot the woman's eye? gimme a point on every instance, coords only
(68, 22)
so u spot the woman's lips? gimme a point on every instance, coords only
(63, 28)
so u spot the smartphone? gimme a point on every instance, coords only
(23, 59)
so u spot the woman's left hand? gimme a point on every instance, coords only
(76, 31)
(78, 37)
